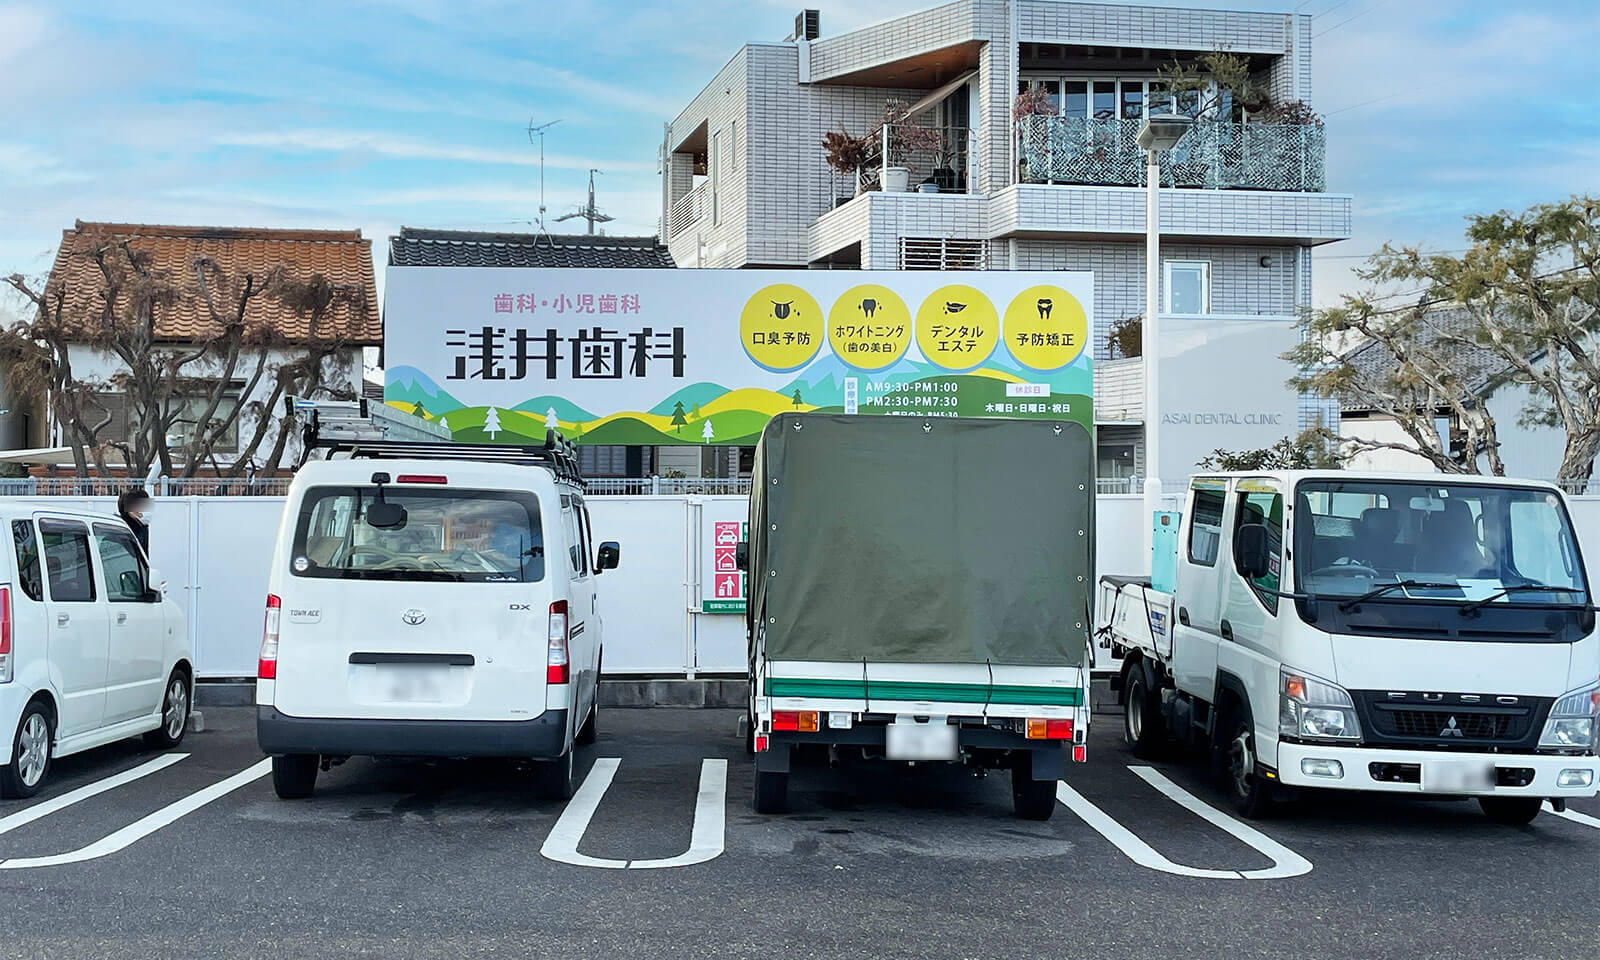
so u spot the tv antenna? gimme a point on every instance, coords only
(589, 212)
(539, 131)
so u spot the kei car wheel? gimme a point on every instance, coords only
(175, 706)
(30, 754)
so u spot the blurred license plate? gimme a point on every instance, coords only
(1452, 776)
(920, 741)
(412, 683)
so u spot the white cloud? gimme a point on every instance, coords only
(21, 29)
(323, 140)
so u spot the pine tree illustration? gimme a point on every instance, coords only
(707, 434)
(677, 417)
(797, 400)
(491, 422)
(444, 422)
(694, 412)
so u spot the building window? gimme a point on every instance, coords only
(124, 420)
(1126, 98)
(715, 166)
(1188, 287)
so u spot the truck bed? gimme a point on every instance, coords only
(1131, 614)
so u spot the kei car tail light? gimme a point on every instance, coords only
(556, 672)
(5, 634)
(267, 665)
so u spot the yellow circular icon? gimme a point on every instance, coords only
(869, 327)
(957, 328)
(1046, 328)
(781, 327)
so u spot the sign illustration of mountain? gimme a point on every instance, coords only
(951, 306)
(677, 417)
(781, 310)
(491, 422)
(551, 421)
(869, 307)
(706, 433)
(1044, 304)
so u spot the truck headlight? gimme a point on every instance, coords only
(1308, 707)
(1573, 721)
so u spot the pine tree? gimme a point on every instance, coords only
(491, 422)
(677, 417)
(797, 396)
(707, 434)
(694, 412)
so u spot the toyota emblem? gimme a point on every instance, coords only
(413, 616)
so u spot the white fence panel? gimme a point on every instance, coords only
(645, 602)
(214, 552)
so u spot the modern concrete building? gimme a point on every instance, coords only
(747, 183)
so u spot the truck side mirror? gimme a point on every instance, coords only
(1250, 552)
(741, 555)
(609, 555)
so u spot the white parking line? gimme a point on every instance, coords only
(1285, 862)
(705, 840)
(145, 826)
(41, 810)
(1577, 817)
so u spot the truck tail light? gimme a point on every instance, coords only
(5, 634)
(556, 671)
(1080, 753)
(795, 721)
(1042, 729)
(267, 665)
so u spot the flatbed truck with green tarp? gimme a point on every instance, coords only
(920, 592)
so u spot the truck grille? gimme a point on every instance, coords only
(1450, 721)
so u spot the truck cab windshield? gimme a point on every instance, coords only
(1472, 545)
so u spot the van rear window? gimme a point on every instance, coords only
(468, 536)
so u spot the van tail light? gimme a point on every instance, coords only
(421, 478)
(556, 672)
(5, 634)
(267, 666)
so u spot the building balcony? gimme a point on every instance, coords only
(1215, 155)
(688, 210)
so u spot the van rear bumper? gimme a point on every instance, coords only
(542, 737)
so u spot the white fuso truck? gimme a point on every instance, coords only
(1422, 635)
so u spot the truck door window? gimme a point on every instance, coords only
(1265, 508)
(1205, 530)
(66, 560)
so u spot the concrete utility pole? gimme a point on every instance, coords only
(589, 212)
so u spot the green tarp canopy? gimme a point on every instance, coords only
(907, 540)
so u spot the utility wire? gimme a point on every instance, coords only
(1346, 20)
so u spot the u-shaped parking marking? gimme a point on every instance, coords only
(1285, 862)
(705, 841)
(41, 810)
(133, 832)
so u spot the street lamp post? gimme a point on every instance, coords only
(1159, 134)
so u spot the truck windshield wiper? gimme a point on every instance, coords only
(1382, 589)
(1476, 605)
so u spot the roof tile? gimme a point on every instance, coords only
(461, 248)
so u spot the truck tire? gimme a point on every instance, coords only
(1142, 726)
(1511, 811)
(554, 779)
(772, 792)
(1247, 789)
(1031, 799)
(294, 777)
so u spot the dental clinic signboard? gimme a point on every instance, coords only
(1223, 385)
(709, 356)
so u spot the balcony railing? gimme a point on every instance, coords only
(933, 160)
(1215, 155)
(687, 210)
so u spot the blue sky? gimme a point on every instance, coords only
(372, 115)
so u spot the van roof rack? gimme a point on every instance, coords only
(557, 453)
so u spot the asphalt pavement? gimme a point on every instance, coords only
(130, 853)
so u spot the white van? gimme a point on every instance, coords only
(432, 600)
(90, 650)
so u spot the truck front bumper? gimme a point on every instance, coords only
(1366, 768)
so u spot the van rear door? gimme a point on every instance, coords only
(419, 602)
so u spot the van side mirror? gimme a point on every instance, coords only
(1250, 551)
(609, 555)
(741, 555)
